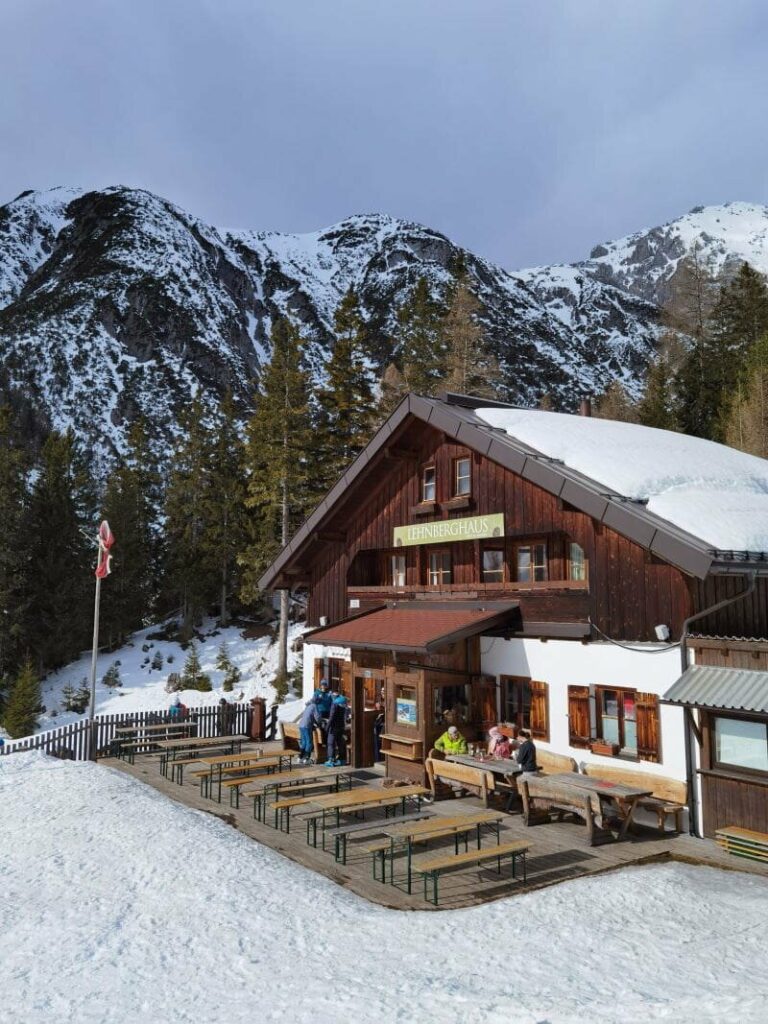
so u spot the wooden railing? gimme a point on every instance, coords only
(74, 741)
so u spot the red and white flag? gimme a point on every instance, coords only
(106, 540)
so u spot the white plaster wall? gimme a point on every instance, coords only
(312, 651)
(563, 663)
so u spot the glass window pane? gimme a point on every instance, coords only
(398, 570)
(450, 705)
(463, 478)
(524, 564)
(493, 565)
(539, 562)
(428, 484)
(578, 564)
(742, 743)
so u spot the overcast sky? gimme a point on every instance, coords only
(527, 130)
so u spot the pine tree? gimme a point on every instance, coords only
(615, 404)
(14, 561)
(23, 707)
(281, 482)
(470, 366)
(192, 676)
(347, 412)
(658, 406)
(694, 295)
(747, 427)
(111, 678)
(224, 503)
(191, 579)
(393, 389)
(420, 341)
(61, 583)
(232, 674)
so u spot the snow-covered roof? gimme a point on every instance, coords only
(713, 492)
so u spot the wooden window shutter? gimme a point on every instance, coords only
(647, 709)
(319, 671)
(345, 684)
(539, 710)
(579, 728)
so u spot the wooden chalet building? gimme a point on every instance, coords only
(480, 563)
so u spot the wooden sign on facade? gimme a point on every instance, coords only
(447, 530)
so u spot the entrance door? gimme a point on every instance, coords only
(368, 692)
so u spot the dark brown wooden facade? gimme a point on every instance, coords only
(627, 591)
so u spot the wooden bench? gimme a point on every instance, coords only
(551, 763)
(340, 835)
(289, 732)
(459, 775)
(540, 801)
(669, 795)
(743, 842)
(432, 867)
(311, 819)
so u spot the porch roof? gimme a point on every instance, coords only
(731, 689)
(415, 626)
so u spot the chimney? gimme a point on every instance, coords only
(585, 407)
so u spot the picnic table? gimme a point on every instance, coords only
(160, 727)
(196, 744)
(432, 828)
(500, 767)
(347, 803)
(229, 763)
(622, 797)
(292, 779)
(131, 737)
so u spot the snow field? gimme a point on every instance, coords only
(121, 906)
(143, 688)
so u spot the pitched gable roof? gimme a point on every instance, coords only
(457, 416)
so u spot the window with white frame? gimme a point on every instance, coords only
(577, 562)
(439, 568)
(493, 565)
(741, 743)
(531, 562)
(428, 484)
(397, 577)
(462, 477)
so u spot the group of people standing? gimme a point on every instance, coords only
(329, 712)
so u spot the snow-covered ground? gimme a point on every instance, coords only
(143, 688)
(120, 906)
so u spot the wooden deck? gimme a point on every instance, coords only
(558, 851)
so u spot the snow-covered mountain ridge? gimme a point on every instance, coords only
(116, 302)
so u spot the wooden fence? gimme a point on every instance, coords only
(73, 741)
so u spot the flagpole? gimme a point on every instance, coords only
(95, 651)
(103, 568)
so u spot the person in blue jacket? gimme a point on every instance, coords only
(337, 737)
(323, 698)
(310, 718)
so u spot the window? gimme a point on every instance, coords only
(493, 565)
(462, 477)
(525, 703)
(450, 704)
(428, 490)
(629, 720)
(577, 563)
(741, 743)
(398, 571)
(439, 568)
(531, 562)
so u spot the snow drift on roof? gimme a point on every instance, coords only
(714, 492)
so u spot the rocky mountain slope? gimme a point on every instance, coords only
(116, 302)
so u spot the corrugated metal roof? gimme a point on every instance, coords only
(736, 689)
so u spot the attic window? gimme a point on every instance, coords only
(428, 488)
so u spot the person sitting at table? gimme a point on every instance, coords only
(500, 745)
(451, 742)
(526, 755)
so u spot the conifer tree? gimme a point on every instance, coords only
(224, 503)
(190, 578)
(615, 404)
(281, 486)
(470, 366)
(23, 707)
(347, 412)
(192, 676)
(747, 427)
(420, 342)
(14, 562)
(716, 362)
(658, 406)
(393, 389)
(61, 518)
(224, 663)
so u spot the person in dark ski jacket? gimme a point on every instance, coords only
(323, 698)
(526, 754)
(310, 719)
(337, 739)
